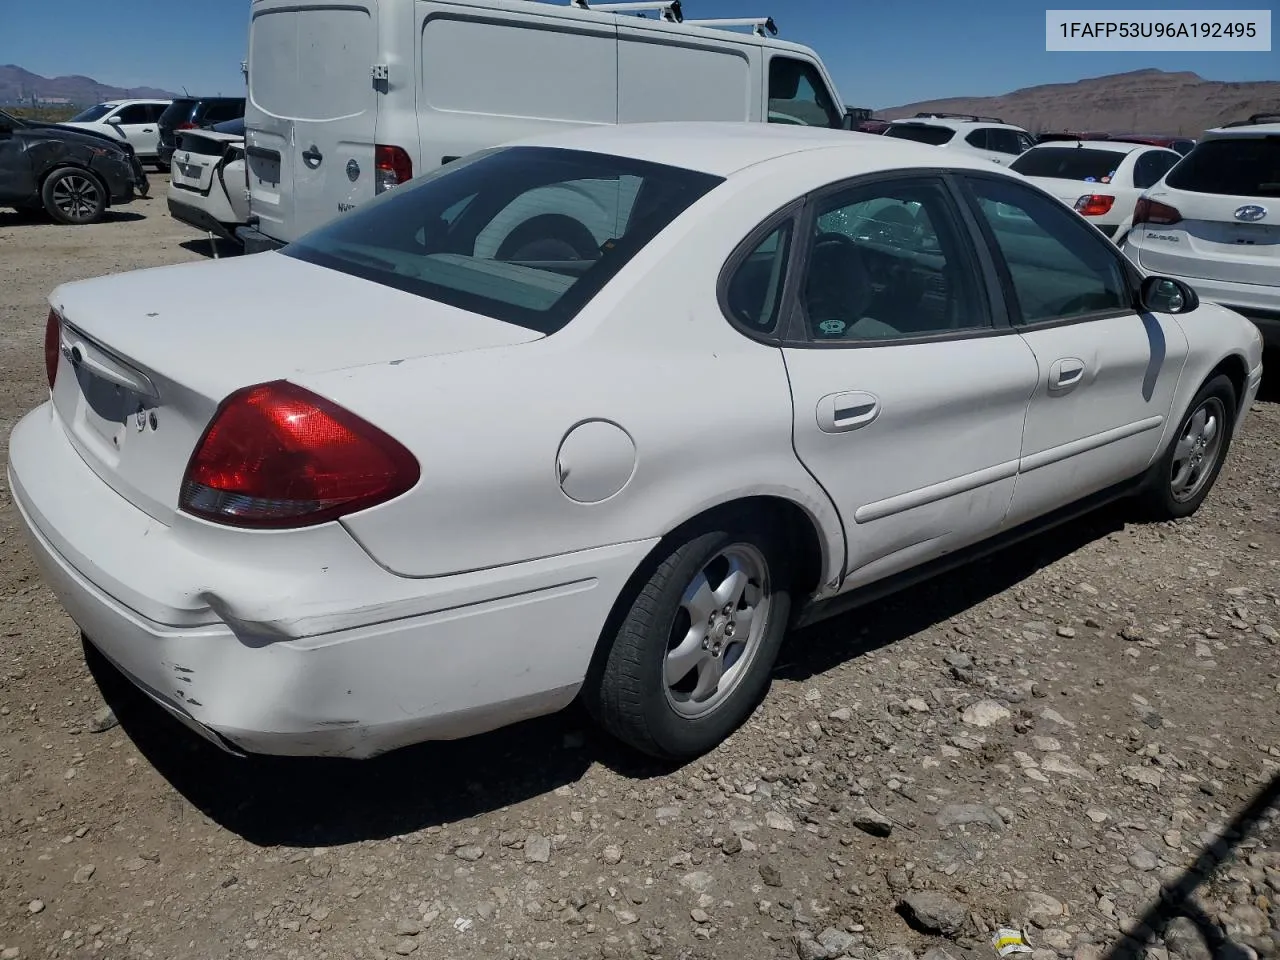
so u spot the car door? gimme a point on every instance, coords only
(1106, 373)
(136, 126)
(909, 390)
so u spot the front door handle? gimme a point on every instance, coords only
(1066, 373)
(841, 412)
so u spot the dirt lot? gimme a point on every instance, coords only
(1041, 739)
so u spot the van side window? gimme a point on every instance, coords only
(798, 95)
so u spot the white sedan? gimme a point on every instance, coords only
(1101, 179)
(444, 468)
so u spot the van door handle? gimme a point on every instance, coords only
(312, 156)
(1066, 373)
(841, 412)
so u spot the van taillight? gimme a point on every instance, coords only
(392, 167)
(52, 346)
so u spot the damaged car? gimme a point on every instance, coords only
(72, 175)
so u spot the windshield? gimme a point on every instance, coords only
(93, 113)
(921, 133)
(1069, 163)
(525, 235)
(10, 120)
(1234, 166)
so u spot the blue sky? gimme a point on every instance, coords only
(881, 52)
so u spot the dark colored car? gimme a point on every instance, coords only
(74, 175)
(190, 113)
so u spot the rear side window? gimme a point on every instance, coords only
(1003, 141)
(1069, 163)
(1235, 166)
(1151, 166)
(525, 235)
(921, 133)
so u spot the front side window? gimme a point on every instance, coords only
(798, 95)
(135, 113)
(1058, 267)
(929, 133)
(889, 261)
(1231, 166)
(525, 235)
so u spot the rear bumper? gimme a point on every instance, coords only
(255, 241)
(316, 652)
(201, 219)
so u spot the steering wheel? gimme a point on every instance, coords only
(839, 288)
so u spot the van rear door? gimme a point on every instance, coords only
(312, 111)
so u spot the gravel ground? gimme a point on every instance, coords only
(1041, 739)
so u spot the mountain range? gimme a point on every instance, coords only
(1141, 101)
(20, 86)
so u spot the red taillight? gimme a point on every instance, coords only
(276, 455)
(1148, 211)
(187, 125)
(52, 346)
(1095, 204)
(392, 167)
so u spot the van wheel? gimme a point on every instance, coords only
(695, 649)
(1179, 481)
(551, 236)
(73, 195)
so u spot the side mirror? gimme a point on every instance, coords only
(1166, 295)
(114, 121)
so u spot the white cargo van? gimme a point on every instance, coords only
(348, 98)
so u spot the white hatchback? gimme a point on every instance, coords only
(443, 468)
(1100, 179)
(1214, 221)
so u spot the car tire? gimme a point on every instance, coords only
(74, 195)
(687, 612)
(1178, 482)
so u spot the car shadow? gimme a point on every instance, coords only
(273, 801)
(214, 249)
(37, 218)
(1270, 389)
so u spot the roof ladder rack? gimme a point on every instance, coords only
(669, 10)
(760, 26)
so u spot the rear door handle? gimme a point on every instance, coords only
(841, 412)
(1066, 373)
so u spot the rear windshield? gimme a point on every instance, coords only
(93, 113)
(1069, 163)
(921, 133)
(235, 127)
(525, 235)
(176, 112)
(1236, 166)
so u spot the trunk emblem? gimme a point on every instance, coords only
(353, 170)
(1250, 213)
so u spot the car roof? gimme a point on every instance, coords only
(722, 148)
(1248, 130)
(1114, 146)
(954, 123)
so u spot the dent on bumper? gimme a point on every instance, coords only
(394, 662)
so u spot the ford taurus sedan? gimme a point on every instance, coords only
(599, 415)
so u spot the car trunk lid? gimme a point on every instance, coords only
(197, 157)
(1211, 242)
(311, 113)
(145, 360)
